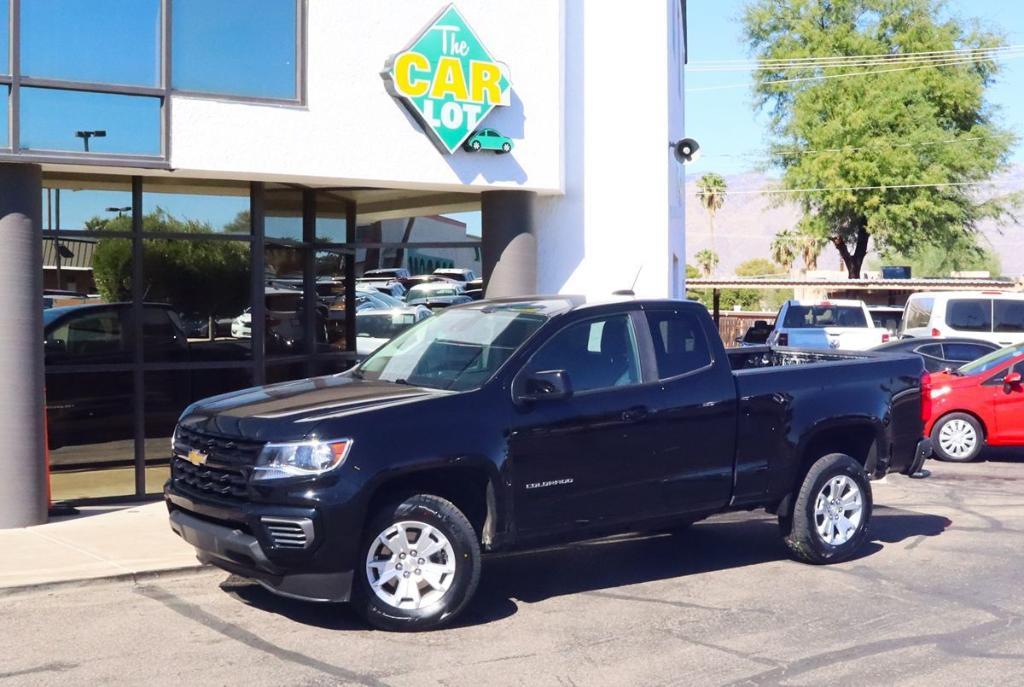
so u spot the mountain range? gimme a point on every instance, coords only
(747, 223)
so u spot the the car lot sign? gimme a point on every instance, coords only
(448, 80)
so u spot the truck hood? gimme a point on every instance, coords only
(292, 410)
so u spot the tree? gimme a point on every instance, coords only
(711, 189)
(912, 139)
(810, 248)
(936, 260)
(202, 279)
(707, 261)
(783, 249)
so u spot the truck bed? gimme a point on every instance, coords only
(757, 357)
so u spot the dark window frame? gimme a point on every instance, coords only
(13, 152)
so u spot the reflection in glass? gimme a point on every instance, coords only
(285, 372)
(5, 94)
(197, 295)
(53, 119)
(5, 39)
(68, 207)
(223, 209)
(284, 214)
(222, 46)
(90, 424)
(103, 41)
(331, 226)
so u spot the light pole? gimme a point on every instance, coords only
(120, 211)
(86, 135)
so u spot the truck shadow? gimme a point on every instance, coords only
(728, 542)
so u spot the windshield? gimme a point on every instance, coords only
(991, 361)
(457, 350)
(383, 325)
(824, 315)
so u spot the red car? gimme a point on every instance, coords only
(980, 404)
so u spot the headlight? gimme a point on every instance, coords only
(302, 458)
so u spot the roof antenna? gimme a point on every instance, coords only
(629, 291)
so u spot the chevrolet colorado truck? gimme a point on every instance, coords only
(516, 423)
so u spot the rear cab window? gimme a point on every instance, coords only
(824, 315)
(680, 345)
(969, 314)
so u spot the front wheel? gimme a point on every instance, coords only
(829, 519)
(957, 438)
(421, 565)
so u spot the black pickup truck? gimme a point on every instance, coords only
(513, 423)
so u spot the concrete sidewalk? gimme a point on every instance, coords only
(99, 543)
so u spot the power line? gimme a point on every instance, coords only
(848, 60)
(820, 77)
(881, 187)
(853, 149)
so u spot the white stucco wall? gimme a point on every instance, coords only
(622, 212)
(351, 131)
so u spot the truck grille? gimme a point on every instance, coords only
(218, 481)
(219, 450)
(289, 533)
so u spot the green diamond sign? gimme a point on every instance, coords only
(448, 80)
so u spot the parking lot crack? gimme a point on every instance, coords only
(197, 614)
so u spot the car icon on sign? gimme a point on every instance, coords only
(488, 139)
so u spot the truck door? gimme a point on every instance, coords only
(692, 424)
(585, 460)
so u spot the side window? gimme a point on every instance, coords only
(1008, 316)
(597, 354)
(919, 313)
(930, 350)
(969, 315)
(88, 335)
(680, 345)
(964, 353)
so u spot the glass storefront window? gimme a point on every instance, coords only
(101, 41)
(5, 139)
(70, 207)
(221, 46)
(331, 224)
(198, 300)
(53, 119)
(5, 39)
(284, 214)
(217, 208)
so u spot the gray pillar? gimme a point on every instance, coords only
(509, 243)
(22, 468)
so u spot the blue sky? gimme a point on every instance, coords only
(731, 135)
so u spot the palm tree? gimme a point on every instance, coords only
(707, 261)
(810, 248)
(711, 189)
(783, 252)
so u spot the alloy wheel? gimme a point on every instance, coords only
(410, 565)
(838, 510)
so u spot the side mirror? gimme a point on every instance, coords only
(55, 346)
(1011, 381)
(549, 385)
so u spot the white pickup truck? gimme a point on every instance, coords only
(834, 324)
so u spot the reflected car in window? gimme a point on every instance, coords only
(374, 328)
(437, 295)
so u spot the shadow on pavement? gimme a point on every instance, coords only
(604, 564)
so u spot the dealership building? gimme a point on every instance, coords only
(205, 172)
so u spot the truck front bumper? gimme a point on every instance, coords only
(240, 553)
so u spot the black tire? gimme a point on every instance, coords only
(506, 148)
(800, 524)
(475, 145)
(956, 457)
(449, 521)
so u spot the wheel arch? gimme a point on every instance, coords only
(961, 411)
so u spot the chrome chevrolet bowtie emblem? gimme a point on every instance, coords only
(197, 457)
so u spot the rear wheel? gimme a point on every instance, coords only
(829, 519)
(957, 438)
(421, 565)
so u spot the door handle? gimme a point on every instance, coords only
(634, 414)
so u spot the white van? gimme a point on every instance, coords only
(831, 324)
(996, 316)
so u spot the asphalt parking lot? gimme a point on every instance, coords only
(934, 600)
